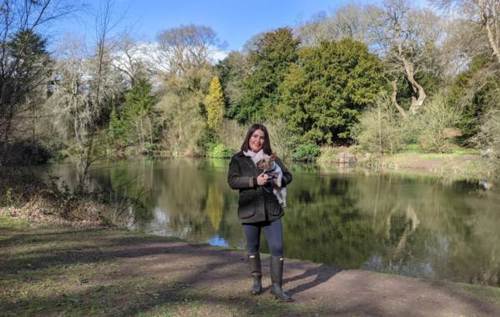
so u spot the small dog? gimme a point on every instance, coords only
(268, 165)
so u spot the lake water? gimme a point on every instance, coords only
(415, 226)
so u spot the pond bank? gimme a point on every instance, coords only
(449, 167)
(53, 270)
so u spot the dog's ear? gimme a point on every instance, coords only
(273, 156)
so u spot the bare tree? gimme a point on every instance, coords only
(130, 59)
(352, 21)
(408, 39)
(85, 85)
(489, 11)
(103, 86)
(477, 15)
(187, 47)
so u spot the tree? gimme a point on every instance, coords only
(117, 129)
(214, 103)
(324, 93)
(482, 18)
(407, 39)
(232, 71)
(24, 61)
(475, 92)
(131, 60)
(139, 102)
(269, 60)
(86, 89)
(29, 74)
(186, 50)
(102, 89)
(187, 47)
(350, 21)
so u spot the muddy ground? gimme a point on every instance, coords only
(62, 271)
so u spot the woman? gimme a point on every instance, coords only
(258, 208)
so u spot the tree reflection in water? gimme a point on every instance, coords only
(406, 225)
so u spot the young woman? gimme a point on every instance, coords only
(258, 208)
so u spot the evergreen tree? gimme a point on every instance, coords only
(232, 70)
(325, 92)
(214, 103)
(25, 67)
(116, 129)
(139, 102)
(274, 52)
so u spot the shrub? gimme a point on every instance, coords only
(206, 141)
(433, 123)
(337, 154)
(219, 150)
(231, 134)
(379, 129)
(306, 152)
(282, 140)
(382, 130)
(489, 139)
(328, 154)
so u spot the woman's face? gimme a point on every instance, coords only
(256, 141)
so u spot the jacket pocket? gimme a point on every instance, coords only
(276, 210)
(273, 206)
(246, 204)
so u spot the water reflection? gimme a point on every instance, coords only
(405, 225)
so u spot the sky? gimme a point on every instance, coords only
(234, 21)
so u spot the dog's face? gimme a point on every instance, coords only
(265, 164)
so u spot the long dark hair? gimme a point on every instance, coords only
(267, 143)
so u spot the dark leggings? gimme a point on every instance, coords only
(273, 231)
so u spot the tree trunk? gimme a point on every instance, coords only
(418, 101)
(395, 101)
(379, 130)
(493, 43)
(141, 135)
(33, 132)
(6, 135)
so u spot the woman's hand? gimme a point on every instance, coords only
(262, 179)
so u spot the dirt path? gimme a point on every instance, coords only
(51, 272)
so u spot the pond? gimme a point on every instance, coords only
(414, 226)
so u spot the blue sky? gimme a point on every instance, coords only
(234, 21)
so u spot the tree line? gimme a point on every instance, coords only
(378, 78)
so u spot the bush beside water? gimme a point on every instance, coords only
(383, 130)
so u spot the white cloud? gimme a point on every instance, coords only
(151, 55)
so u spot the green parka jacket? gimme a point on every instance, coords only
(255, 203)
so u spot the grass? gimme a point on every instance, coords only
(460, 164)
(487, 293)
(10, 223)
(448, 166)
(457, 150)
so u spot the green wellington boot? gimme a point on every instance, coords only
(277, 279)
(255, 269)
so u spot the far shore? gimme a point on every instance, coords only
(449, 167)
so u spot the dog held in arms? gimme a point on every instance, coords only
(268, 165)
